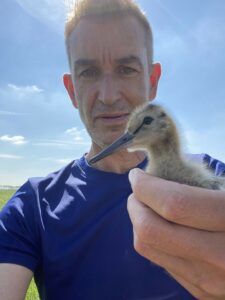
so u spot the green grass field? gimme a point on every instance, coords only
(32, 293)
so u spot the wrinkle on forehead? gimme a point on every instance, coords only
(95, 37)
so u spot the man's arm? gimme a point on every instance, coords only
(182, 229)
(14, 281)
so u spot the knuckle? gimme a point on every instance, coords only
(147, 236)
(214, 289)
(129, 202)
(202, 284)
(138, 187)
(144, 230)
(141, 230)
(216, 257)
(139, 247)
(140, 184)
(145, 251)
(211, 289)
(200, 295)
(175, 207)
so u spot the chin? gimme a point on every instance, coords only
(110, 137)
(105, 137)
(104, 142)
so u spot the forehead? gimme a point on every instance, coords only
(114, 36)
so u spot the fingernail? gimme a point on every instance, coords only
(132, 174)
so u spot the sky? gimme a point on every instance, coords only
(40, 131)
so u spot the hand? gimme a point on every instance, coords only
(182, 229)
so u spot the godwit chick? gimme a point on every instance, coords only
(152, 130)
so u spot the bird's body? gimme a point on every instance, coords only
(152, 130)
(184, 171)
(162, 145)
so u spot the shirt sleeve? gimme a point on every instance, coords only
(214, 164)
(19, 242)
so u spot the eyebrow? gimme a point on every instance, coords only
(82, 62)
(129, 60)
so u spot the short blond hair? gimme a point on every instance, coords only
(83, 8)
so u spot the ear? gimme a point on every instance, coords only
(68, 83)
(154, 79)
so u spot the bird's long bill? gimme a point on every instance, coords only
(121, 142)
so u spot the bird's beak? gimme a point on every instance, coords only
(121, 142)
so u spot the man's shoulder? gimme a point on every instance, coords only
(53, 179)
(216, 165)
(37, 188)
(41, 195)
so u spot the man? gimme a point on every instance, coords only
(71, 229)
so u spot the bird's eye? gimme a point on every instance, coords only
(147, 120)
(162, 115)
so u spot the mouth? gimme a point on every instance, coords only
(122, 142)
(113, 118)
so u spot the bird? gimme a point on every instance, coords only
(150, 128)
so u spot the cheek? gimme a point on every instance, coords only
(147, 84)
(84, 99)
(138, 90)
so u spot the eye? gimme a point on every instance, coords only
(90, 73)
(126, 71)
(162, 115)
(147, 120)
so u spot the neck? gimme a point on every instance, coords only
(119, 162)
(164, 154)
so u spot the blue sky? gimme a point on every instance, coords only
(39, 129)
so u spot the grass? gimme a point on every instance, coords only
(4, 196)
(32, 293)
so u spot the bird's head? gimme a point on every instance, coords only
(148, 125)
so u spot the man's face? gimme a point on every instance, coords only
(110, 73)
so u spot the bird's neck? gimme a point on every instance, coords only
(164, 154)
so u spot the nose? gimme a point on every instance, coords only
(108, 90)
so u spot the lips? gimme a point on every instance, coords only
(114, 115)
(113, 118)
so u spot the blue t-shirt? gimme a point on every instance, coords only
(73, 231)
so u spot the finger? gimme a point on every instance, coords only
(173, 263)
(183, 204)
(173, 239)
(195, 291)
(175, 266)
(201, 276)
(202, 293)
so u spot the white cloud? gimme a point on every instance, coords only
(49, 143)
(63, 161)
(49, 12)
(9, 156)
(78, 135)
(65, 144)
(14, 140)
(25, 90)
(60, 161)
(72, 139)
(10, 113)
